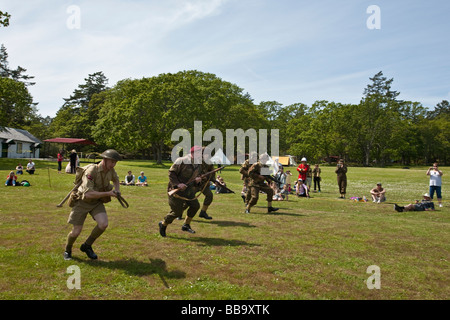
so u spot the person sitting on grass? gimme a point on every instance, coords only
(378, 193)
(142, 180)
(31, 167)
(19, 169)
(301, 189)
(425, 205)
(129, 179)
(11, 179)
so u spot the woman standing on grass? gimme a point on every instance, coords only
(435, 182)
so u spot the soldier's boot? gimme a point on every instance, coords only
(204, 215)
(272, 209)
(162, 229)
(88, 250)
(187, 228)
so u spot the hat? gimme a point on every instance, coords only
(194, 148)
(304, 159)
(378, 183)
(300, 179)
(426, 195)
(111, 154)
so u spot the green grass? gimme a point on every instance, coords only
(316, 248)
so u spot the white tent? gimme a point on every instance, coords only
(220, 158)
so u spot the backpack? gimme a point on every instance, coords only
(78, 179)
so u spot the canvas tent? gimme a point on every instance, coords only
(286, 160)
(220, 158)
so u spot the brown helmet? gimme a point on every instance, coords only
(111, 154)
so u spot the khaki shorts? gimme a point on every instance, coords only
(81, 209)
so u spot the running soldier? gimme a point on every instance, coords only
(94, 191)
(183, 175)
(257, 184)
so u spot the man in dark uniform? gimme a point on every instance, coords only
(257, 184)
(204, 187)
(182, 173)
(94, 191)
(341, 171)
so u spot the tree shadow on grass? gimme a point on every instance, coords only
(138, 268)
(206, 242)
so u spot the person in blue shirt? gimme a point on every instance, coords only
(142, 180)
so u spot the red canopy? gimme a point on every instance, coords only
(70, 140)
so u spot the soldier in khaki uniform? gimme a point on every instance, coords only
(204, 187)
(182, 172)
(253, 157)
(94, 191)
(257, 184)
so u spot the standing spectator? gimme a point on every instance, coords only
(303, 169)
(378, 193)
(60, 158)
(30, 167)
(19, 169)
(316, 174)
(281, 176)
(435, 182)
(73, 161)
(288, 180)
(341, 171)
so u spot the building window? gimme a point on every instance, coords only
(19, 148)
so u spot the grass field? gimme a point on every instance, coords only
(317, 248)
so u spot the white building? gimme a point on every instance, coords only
(17, 143)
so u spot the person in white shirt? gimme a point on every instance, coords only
(30, 167)
(435, 182)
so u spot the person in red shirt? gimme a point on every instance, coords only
(303, 169)
(11, 179)
(60, 158)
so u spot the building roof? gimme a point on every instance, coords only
(70, 140)
(10, 135)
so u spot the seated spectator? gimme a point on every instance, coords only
(142, 180)
(277, 196)
(378, 193)
(19, 169)
(221, 185)
(425, 205)
(30, 167)
(11, 179)
(129, 180)
(285, 192)
(301, 189)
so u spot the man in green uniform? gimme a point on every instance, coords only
(94, 191)
(183, 175)
(257, 184)
(341, 171)
(204, 187)
(245, 167)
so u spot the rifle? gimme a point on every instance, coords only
(68, 195)
(222, 186)
(269, 178)
(175, 190)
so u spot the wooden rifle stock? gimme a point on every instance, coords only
(173, 191)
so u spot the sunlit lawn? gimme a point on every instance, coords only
(318, 248)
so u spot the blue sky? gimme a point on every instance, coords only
(285, 50)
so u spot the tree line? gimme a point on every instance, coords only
(138, 116)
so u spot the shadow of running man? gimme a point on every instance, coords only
(138, 268)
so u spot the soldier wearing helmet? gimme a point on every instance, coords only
(95, 190)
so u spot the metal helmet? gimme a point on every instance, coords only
(111, 154)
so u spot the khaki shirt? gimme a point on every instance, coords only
(96, 179)
(254, 172)
(183, 171)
